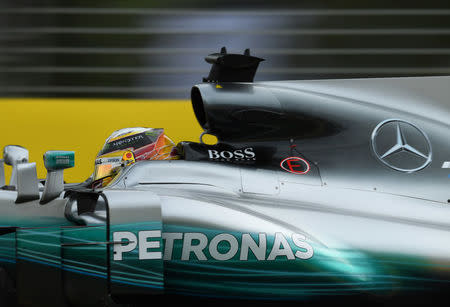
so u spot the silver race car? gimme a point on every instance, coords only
(315, 190)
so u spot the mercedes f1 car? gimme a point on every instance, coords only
(315, 189)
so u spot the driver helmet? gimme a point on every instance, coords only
(127, 146)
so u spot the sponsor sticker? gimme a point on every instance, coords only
(128, 140)
(446, 164)
(245, 154)
(220, 247)
(62, 160)
(295, 165)
(107, 160)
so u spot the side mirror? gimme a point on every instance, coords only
(56, 162)
(14, 155)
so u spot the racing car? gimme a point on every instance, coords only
(314, 190)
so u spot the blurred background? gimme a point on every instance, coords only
(73, 71)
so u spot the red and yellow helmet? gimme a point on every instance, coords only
(127, 146)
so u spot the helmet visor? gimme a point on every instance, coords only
(107, 166)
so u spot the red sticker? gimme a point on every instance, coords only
(295, 165)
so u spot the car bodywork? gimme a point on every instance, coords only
(316, 189)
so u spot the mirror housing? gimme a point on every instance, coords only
(56, 161)
(14, 155)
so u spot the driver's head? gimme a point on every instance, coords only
(127, 146)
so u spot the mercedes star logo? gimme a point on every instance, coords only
(401, 145)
